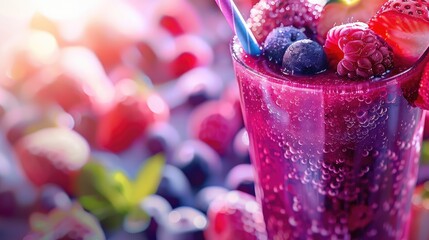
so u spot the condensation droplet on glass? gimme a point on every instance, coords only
(292, 221)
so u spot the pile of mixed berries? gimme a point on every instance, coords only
(356, 39)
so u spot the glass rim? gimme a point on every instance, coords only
(350, 87)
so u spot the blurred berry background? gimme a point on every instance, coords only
(120, 119)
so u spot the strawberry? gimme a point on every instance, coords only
(337, 12)
(135, 108)
(405, 26)
(235, 215)
(269, 14)
(52, 155)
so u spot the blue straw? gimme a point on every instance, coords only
(238, 25)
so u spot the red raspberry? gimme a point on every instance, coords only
(357, 52)
(267, 15)
(215, 123)
(235, 215)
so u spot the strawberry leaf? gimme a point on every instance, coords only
(148, 178)
(99, 208)
(125, 185)
(103, 193)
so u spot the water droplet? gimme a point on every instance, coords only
(335, 185)
(292, 221)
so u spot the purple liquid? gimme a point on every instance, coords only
(334, 159)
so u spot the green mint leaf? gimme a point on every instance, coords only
(148, 178)
(96, 184)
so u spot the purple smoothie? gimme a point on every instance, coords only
(334, 159)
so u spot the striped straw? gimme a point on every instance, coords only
(238, 25)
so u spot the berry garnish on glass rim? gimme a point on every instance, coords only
(267, 15)
(278, 40)
(357, 52)
(404, 24)
(304, 57)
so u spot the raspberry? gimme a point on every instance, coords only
(267, 15)
(235, 215)
(357, 52)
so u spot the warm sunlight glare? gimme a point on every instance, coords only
(42, 45)
(65, 9)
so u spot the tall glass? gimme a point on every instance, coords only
(334, 161)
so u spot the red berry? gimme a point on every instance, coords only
(85, 123)
(133, 111)
(405, 26)
(52, 155)
(65, 90)
(357, 52)
(172, 25)
(183, 62)
(235, 215)
(85, 76)
(178, 17)
(191, 51)
(215, 123)
(268, 15)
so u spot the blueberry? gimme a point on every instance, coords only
(183, 223)
(241, 178)
(304, 57)
(51, 197)
(175, 187)
(279, 40)
(200, 85)
(198, 161)
(161, 138)
(158, 209)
